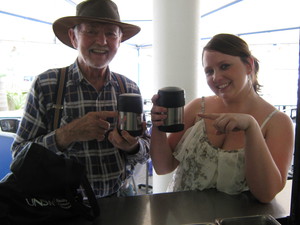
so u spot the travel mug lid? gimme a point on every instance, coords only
(171, 97)
(130, 102)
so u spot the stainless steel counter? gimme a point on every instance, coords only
(187, 207)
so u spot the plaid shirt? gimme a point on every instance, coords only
(104, 163)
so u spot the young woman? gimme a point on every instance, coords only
(233, 141)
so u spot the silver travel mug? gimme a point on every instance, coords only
(173, 99)
(130, 108)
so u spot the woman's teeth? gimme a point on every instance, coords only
(223, 86)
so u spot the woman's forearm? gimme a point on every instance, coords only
(161, 153)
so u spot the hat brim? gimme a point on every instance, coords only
(62, 26)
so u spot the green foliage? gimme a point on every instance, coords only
(16, 100)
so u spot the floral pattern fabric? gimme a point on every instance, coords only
(203, 166)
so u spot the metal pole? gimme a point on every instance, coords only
(295, 200)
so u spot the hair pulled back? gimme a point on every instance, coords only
(233, 45)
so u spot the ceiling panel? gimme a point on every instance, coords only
(238, 17)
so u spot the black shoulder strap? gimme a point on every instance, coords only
(58, 104)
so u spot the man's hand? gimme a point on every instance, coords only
(91, 126)
(123, 141)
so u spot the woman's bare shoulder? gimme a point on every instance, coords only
(279, 117)
(282, 118)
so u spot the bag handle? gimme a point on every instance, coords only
(79, 208)
(91, 197)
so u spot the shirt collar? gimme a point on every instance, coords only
(77, 75)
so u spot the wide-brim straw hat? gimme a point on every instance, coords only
(103, 11)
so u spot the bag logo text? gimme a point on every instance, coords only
(56, 202)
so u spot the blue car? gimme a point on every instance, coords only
(9, 122)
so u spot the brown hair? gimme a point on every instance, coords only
(233, 45)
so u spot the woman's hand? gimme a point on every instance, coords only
(229, 122)
(158, 113)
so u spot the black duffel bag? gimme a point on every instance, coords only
(43, 189)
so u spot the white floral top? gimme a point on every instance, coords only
(203, 166)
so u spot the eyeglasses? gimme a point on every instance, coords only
(94, 30)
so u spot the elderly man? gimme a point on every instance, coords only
(88, 117)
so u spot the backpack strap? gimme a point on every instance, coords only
(58, 104)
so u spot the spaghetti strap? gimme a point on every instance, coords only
(202, 105)
(268, 118)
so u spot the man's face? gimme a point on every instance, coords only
(97, 43)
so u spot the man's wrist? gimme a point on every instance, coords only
(61, 139)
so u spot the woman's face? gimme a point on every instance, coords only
(97, 43)
(226, 75)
